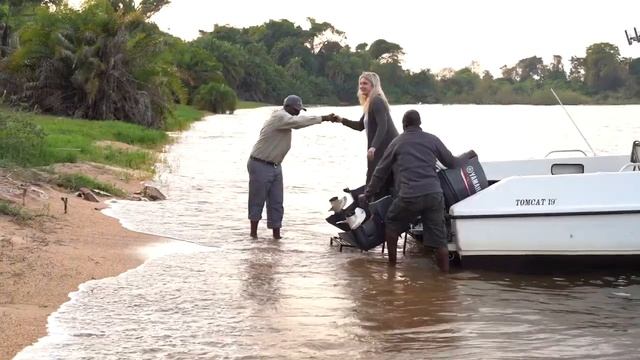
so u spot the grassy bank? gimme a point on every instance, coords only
(251, 104)
(28, 139)
(182, 118)
(19, 214)
(76, 181)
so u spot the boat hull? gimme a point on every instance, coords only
(572, 215)
(586, 233)
(551, 264)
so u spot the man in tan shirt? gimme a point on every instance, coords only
(264, 165)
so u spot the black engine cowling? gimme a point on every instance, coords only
(458, 184)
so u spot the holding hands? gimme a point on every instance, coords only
(329, 117)
(332, 117)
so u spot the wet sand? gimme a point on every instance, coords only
(44, 259)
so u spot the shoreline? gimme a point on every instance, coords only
(45, 255)
(43, 261)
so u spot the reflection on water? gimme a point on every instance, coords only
(260, 285)
(223, 295)
(398, 306)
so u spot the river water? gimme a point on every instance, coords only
(217, 293)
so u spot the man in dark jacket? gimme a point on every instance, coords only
(412, 158)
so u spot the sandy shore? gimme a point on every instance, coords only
(43, 260)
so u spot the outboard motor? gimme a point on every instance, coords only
(369, 231)
(338, 219)
(459, 184)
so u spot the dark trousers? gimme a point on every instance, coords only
(429, 207)
(265, 186)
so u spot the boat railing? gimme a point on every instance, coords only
(635, 166)
(566, 151)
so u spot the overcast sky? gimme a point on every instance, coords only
(435, 34)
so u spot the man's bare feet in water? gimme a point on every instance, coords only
(254, 229)
(276, 233)
(442, 259)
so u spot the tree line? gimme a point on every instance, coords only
(107, 60)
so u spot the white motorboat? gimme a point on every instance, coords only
(553, 211)
(587, 207)
(572, 208)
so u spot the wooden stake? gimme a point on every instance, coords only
(65, 200)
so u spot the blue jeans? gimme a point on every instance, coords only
(265, 186)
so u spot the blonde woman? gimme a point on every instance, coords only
(376, 120)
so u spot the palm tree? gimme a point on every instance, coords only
(104, 61)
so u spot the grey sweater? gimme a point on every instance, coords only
(380, 130)
(275, 137)
(412, 157)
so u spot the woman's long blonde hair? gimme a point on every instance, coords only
(376, 90)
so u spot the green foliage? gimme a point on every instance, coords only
(32, 140)
(76, 181)
(463, 81)
(232, 35)
(251, 104)
(182, 118)
(21, 141)
(102, 130)
(196, 66)
(634, 67)
(422, 87)
(289, 49)
(263, 80)
(555, 71)
(18, 213)
(216, 97)
(71, 140)
(568, 97)
(275, 31)
(232, 57)
(104, 61)
(107, 61)
(13, 15)
(529, 68)
(603, 70)
(264, 63)
(385, 51)
(131, 159)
